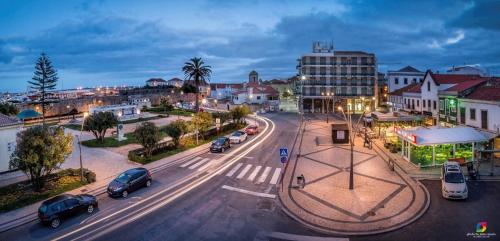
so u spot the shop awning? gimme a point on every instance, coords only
(393, 117)
(439, 136)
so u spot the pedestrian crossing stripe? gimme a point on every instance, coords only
(199, 163)
(244, 171)
(254, 173)
(275, 177)
(191, 161)
(264, 175)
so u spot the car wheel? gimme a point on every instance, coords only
(239, 141)
(148, 183)
(90, 208)
(124, 194)
(55, 223)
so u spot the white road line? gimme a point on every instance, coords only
(295, 237)
(264, 175)
(213, 162)
(276, 175)
(234, 170)
(191, 162)
(258, 194)
(254, 173)
(244, 171)
(199, 163)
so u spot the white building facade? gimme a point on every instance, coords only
(403, 77)
(9, 127)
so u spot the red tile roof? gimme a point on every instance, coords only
(466, 85)
(222, 86)
(453, 78)
(414, 89)
(486, 92)
(399, 92)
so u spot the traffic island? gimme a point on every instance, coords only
(381, 200)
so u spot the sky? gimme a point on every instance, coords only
(120, 42)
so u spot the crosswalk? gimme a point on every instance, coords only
(248, 172)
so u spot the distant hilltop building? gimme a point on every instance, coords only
(467, 70)
(330, 78)
(153, 82)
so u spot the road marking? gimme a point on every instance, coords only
(275, 177)
(258, 194)
(234, 170)
(264, 175)
(295, 237)
(199, 163)
(191, 162)
(244, 171)
(148, 208)
(208, 164)
(254, 173)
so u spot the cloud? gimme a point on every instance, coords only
(479, 14)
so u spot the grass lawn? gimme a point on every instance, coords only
(111, 141)
(20, 194)
(141, 119)
(181, 112)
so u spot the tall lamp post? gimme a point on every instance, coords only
(348, 119)
(327, 97)
(85, 114)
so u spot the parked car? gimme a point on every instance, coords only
(220, 145)
(453, 185)
(64, 206)
(252, 130)
(129, 181)
(238, 137)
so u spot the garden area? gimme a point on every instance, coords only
(21, 194)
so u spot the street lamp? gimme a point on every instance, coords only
(216, 105)
(196, 128)
(85, 114)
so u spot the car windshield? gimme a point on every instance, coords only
(236, 134)
(454, 177)
(219, 141)
(43, 208)
(123, 178)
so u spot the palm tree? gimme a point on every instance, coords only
(197, 71)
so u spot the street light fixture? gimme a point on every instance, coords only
(79, 137)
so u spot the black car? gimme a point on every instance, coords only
(129, 181)
(220, 145)
(64, 206)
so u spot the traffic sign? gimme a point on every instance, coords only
(284, 152)
(284, 159)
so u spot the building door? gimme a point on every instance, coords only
(484, 119)
(462, 115)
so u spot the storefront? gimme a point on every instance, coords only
(384, 123)
(433, 146)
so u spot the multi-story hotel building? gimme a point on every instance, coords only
(329, 79)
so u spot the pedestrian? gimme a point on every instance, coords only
(303, 180)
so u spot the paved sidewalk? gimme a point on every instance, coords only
(382, 200)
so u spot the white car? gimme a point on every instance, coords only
(238, 137)
(453, 185)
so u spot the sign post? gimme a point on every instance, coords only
(283, 160)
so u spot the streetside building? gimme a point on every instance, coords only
(9, 127)
(411, 99)
(351, 76)
(222, 91)
(403, 77)
(434, 84)
(466, 69)
(395, 98)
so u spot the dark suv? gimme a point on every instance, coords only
(129, 181)
(220, 145)
(64, 206)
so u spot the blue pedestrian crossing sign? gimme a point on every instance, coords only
(284, 152)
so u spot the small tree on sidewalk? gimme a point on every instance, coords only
(99, 123)
(222, 116)
(201, 122)
(148, 135)
(39, 151)
(176, 130)
(239, 112)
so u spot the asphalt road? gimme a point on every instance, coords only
(185, 204)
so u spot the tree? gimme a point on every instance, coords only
(39, 151)
(8, 109)
(200, 72)
(148, 135)
(286, 94)
(44, 79)
(99, 123)
(201, 122)
(176, 130)
(239, 112)
(222, 116)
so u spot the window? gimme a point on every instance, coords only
(396, 81)
(418, 103)
(484, 119)
(258, 97)
(414, 80)
(429, 103)
(434, 105)
(71, 202)
(423, 103)
(462, 115)
(429, 88)
(472, 114)
(421, 80)
(406, 81)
